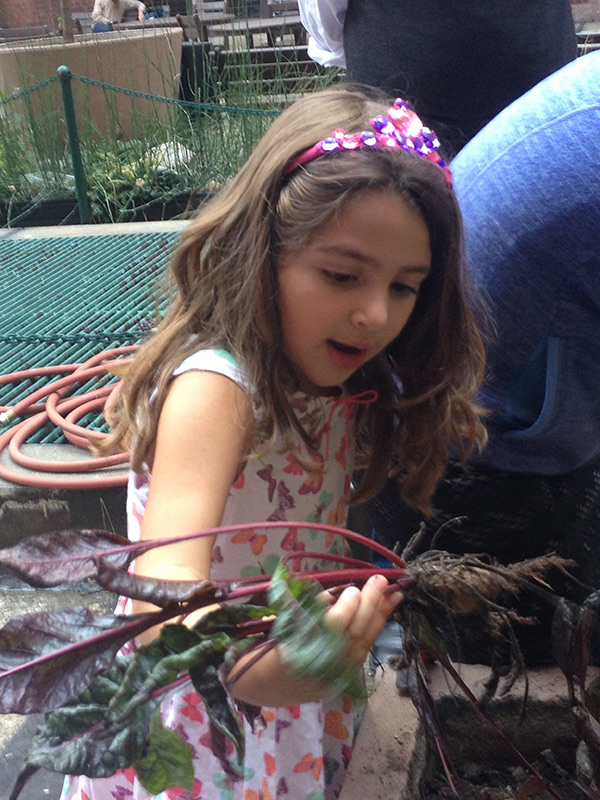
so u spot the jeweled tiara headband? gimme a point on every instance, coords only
(400, 128)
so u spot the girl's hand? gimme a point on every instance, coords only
(362, 614)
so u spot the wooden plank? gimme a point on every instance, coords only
(276, 8)
(273, 28)
(33, 32)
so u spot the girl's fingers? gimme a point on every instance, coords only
(327, 597)
(372, 611)
(342, 612)
(362, 613)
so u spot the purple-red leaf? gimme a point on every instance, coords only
(158, 591)
(67, 556)
(50, 657)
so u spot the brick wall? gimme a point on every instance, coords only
(24, 13)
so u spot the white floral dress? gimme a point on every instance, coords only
(304, 751)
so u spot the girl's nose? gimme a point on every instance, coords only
(371, 311)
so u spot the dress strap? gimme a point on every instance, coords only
(347, 404)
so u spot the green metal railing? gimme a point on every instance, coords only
(85, 213)
(66, 76)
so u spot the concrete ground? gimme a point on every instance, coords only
(26, 511)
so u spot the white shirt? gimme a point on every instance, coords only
(324, 21)
(107, 11)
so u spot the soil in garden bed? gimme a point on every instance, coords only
(488, 770)
(49, 212)
(508, 782)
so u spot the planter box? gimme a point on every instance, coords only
(394, 757)
(65, 211)
(184, 203)
(49, 212)
(146, 61)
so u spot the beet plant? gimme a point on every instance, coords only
(101, 705)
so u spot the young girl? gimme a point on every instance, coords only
(319, 295)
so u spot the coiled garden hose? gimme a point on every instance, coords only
(63, 412)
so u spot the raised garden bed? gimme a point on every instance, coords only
(64, 211)
(395, 758)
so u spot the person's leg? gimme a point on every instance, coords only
(100, 27)
(528, 188)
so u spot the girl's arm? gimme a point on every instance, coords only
(204, 433)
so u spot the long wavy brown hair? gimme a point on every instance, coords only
(225, 278)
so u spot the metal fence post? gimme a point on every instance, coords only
(85, 214)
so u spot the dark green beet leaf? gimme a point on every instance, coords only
(108, 726)
(224, 721)
(82, 737)
(168, 761)
(311, 646)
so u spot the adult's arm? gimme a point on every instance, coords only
(138, 5)
(324, 21)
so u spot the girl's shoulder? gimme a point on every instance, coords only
(215, 360)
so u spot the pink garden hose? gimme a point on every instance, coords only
(64, 413)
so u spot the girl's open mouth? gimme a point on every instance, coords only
(345, 356)
(344, 348)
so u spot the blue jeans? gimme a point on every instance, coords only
(529, 189)
(100, 27)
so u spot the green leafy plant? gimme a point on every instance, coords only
(101, 704)
(126, 181)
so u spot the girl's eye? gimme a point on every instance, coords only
(339, 277)
(403, 289)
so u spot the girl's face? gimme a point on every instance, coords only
(351, 290)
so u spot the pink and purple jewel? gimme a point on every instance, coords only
(330, 144)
